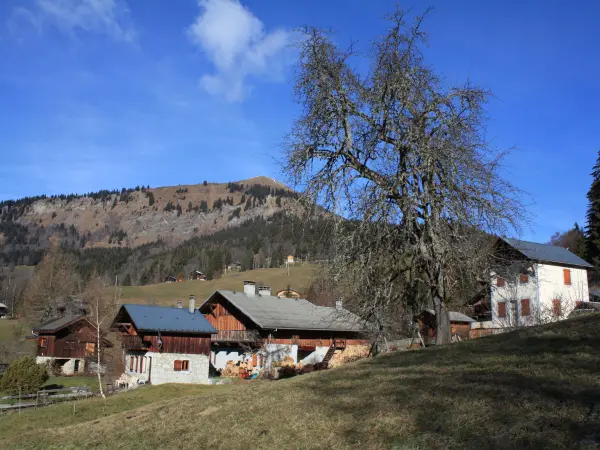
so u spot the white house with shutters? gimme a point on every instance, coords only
(539, 283)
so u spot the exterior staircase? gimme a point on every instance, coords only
(328, 355)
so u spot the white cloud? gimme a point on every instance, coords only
(110, 17)
(235, 41)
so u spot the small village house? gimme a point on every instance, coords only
(171, 279)
(68, 342)
(3, 311)
(542, 283)
(165, 344)
(197, 275)
(288, 293)
(254, 325)
(460, 326)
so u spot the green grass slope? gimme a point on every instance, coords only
(533, 388)
(166, 293)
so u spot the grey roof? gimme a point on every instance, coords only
(163, 318)
(454, 316)
(2, 305)
(272, 312)
(57, 324)
(547, 252)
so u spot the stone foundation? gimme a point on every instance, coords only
(159, 368)
(68, 368)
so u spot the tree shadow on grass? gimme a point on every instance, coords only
(517, 391)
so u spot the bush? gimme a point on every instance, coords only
(24, 373)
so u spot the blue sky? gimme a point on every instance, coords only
(115, 93)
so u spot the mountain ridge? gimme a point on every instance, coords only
(134, 217)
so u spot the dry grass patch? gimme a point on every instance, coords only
(529, 389)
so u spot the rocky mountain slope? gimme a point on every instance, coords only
(133, 217)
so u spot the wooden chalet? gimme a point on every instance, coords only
(69, 341)
(3, 310)
(197, 275)
(164, 344)
(247, 320)
(460, 325)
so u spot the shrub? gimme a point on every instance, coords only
(24, 373)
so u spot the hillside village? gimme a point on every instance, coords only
(396, 291)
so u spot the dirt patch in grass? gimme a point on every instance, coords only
(528, 389)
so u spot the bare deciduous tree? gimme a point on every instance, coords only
(102, 309)
(53, 283)
(405, 159)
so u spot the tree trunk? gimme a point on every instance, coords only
(442, 322)
(98, 342)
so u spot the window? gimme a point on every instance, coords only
(556, 307)
(180, 365)
(523, 278)
(43, 342)
(514, 312)
(141, 364)
(577, 303)
(567, 276)
(499, 281)
(502, 309)
(131, 360)
(525, 307)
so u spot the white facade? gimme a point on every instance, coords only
(550, 296)
(160, 368)
(278, 352)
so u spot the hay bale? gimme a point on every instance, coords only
(349, 354)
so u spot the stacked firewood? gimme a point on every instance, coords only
(349, 354)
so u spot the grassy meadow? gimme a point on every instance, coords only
(536, 388)
(167, 293)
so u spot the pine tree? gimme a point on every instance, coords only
(593, 217)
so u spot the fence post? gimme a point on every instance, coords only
(73, 407)
(37, 396)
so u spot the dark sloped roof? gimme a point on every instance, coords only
(272, 312)
(547, 252)
(57, 324)
(161, 318)
(454, 316)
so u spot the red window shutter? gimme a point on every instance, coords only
(525, 307)
(500, 281)
(577, 303)
(177, 365)
(501, 309)
(185, 365)
(556, 307)
(567, 276)
(524, 279)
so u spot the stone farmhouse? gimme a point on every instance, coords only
(164, 344)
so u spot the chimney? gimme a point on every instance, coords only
(192, 304)
(338, 304)
(179, 304)
(264, 290)
(250, 288)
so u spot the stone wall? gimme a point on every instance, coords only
(68, 368)
(160, 368)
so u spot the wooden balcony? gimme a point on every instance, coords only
(133, 342)
(236, 336)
